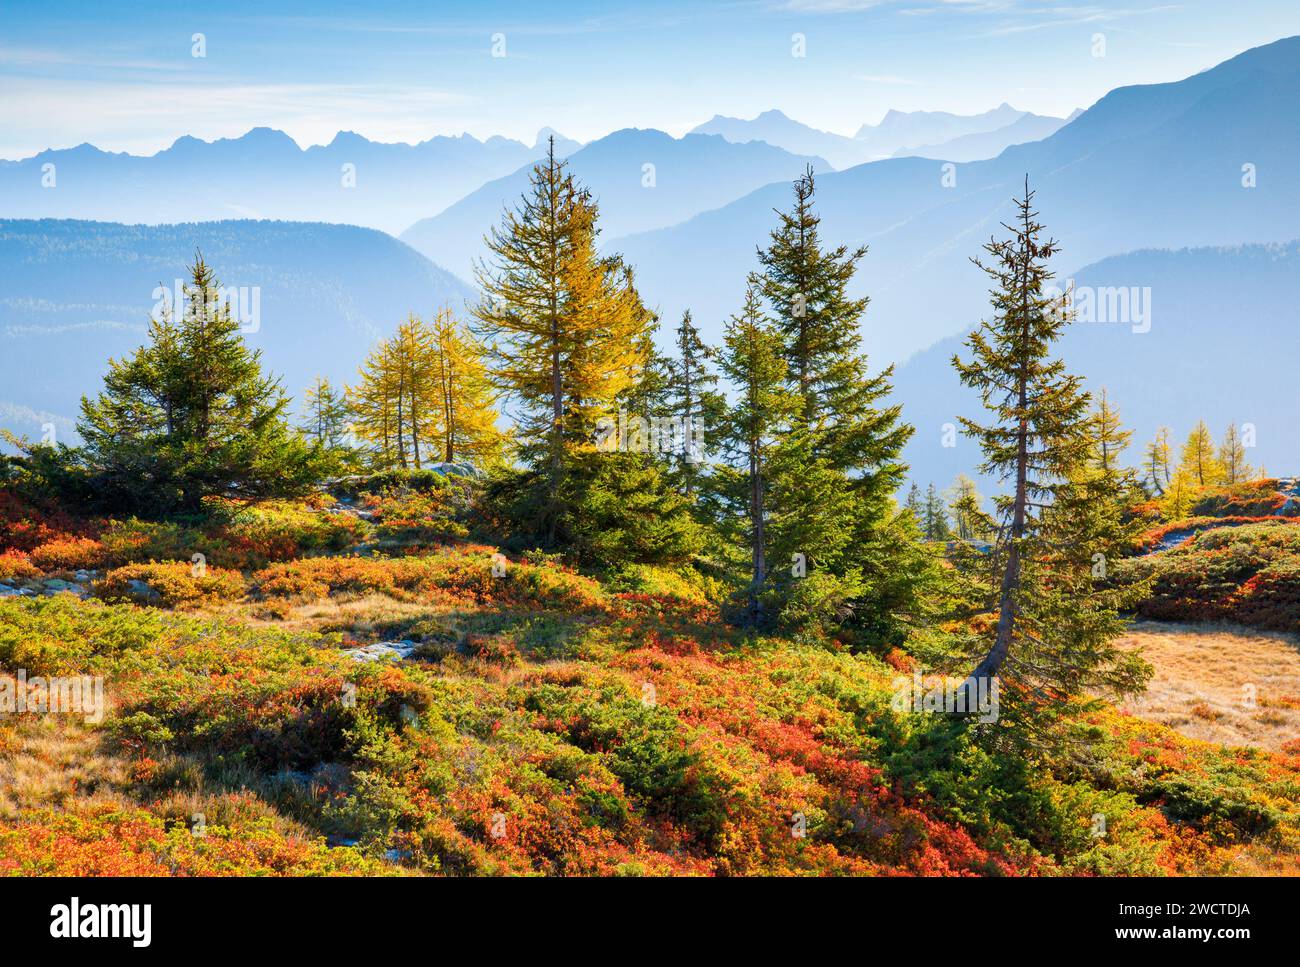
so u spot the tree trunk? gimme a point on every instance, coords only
(993, 661)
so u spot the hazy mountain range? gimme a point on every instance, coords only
(1160, 165)
(899, 132)
(263, 174)
(989, 144)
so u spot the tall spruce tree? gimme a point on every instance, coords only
(915, 505)
(851, 440)
(192, 414)
(1055, 629)
(806, 286)
(935, 520)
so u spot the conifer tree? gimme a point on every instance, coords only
(1232, 457)
(465, 416)
(852, 440)
(806, 286)
(936, 516)
(192, 414)
(1176, 503)
(752, 361)
(966, 507)
(1199, 458)
(1158, 465)
(1055, 627)
(915, 504)
(396, 405)
(375, 404)
(325, 415)
(568, 341)
(1110, 439)
(424, 397)
(1109, 479)
(564, 327)
(327, 422)
(691, 403)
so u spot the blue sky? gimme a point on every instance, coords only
(122, 76)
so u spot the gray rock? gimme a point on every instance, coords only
(382, 651)
(141, 589)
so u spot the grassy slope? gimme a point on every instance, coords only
(1223, 684)
(547, 724)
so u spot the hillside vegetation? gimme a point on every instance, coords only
(546, 722)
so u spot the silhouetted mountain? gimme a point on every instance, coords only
(643, 179)
(782, 132)
(263, 174)
(78, 292)
(897, 133)
(1222, 345)
(990, 144)
(910, 129)
(1161, 165)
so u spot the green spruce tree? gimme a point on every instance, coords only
(1055, 629)
(192, 414)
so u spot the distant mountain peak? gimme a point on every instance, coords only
(343, 138)
(568, 145)
(263, 134)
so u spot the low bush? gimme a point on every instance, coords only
(173, 584)
(69, 554)
(16, 565)
(463, 575)
(1248, 573)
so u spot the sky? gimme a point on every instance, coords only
(123, 76)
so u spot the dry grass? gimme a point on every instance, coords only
(49, 760)
(1204, 679)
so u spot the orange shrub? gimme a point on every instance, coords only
(464, 575)
(175, 584)
(16, 565)
(69, 554)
